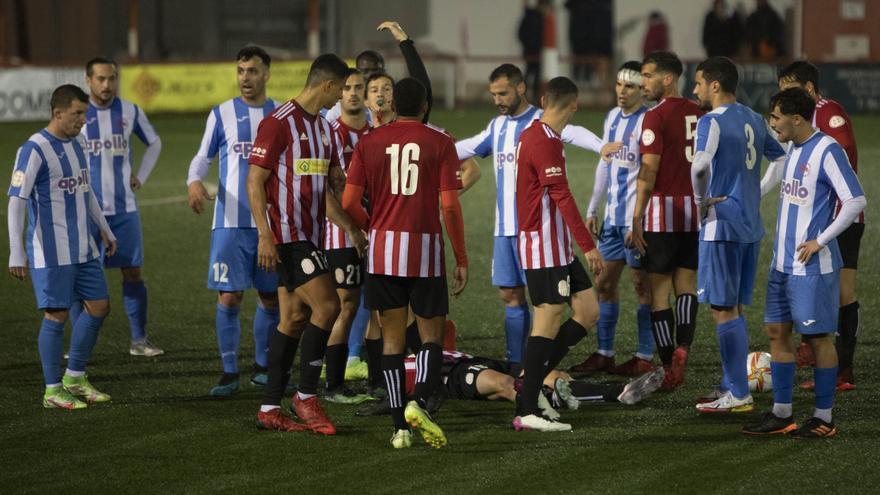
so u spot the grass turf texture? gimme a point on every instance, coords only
(163, 433)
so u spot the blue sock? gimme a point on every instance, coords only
(646, 335)
(733, 342)
(608, 314)
(74, 311)
(783, 381)
(265, 322)
(228, 335)
(358, 330)
(517, 321)
(725, 381)
(826, 383)
(50, 343)
(82, 340)
(134, 299)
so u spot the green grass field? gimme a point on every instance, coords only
(162, 433)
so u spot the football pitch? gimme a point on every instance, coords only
(163, 433)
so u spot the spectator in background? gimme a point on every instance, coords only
(531, 36)
(764, 32)
(590, 32)
(657, 35)
(722, 31)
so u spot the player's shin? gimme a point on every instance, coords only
(265, 323)
(134, 300)
(606, 327)
(336, 357)
(429, 361)
(848, 329)
(374, 363)
(282, 350)
(228, 329)
(686, 319)
(50, 342)
(535, 360)
(646, 337)
(826, 385)
(82, 341)
(314, 346)
(516, 330)
(663, 324)
(394, 372)
(733, 343)
(783, 387)
(570, 333)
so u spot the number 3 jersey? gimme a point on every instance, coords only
(403, 167)
(668, 130)
(735, 137)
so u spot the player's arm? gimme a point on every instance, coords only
(414, 64)
(201, 163)
(337, 215)
(651, 147)
(470, 174)
(599, 191)
(28, 166)
(584, 138)
(147, 134)
(706, 144)
(272, 139)
(843, 132)
(776, 155)
(453, 219)
(845, 183)
(352, 196)
(97, 216)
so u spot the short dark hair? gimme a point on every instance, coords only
(410, 97)
(631, 65)
(378, 75)
(801, 72)
(721, 70)
(665, 62)
(252, 51)
(370, 58)
(326, 67)
(99, 61)
(794, 101)
(560, 91)
(351, 72)
(66, 94)
(511, 72)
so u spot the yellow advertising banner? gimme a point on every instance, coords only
(193, 87)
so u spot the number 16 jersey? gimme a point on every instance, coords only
(403, 167)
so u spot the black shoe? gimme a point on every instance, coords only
(380, 408)
(815, 428)
(259, 375)
(771, 424)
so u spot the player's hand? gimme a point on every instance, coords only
(807, 249)
(109, 246)
(459, 280)
(19, 272)
(610, 149)
(197, 195)
(635, 237)
(359, 240)
(704, 209)
(595, 261)
(593, 225)
(135, 183)
(267, 254)
(394, 28)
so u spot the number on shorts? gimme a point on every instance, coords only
(403, 168)
(221, 272)
(319, 260)
(352, 274)
(751, 153)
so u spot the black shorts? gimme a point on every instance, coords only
(555, 285)
(427, 296)
(667, 251)
(301, 261)
(346, 267)
(461, 381)
(849, 242)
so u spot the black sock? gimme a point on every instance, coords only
(538, 350)
(413, 339)
(314, 343)
(848, 332)
(228, 378)
(336, 357)
(663, 325)
(395, 377)
(282, 350)
(570, 333)
(595, 392)
(374, 363)
(429, 361)
(686, 318)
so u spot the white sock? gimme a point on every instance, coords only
(823, 414)
(646, 357)
(303, 396)
(781, 410)
(74, 374)
(52, 385)
(605, 353)
(353, 359)
(265, 408)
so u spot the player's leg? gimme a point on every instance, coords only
(228, 329)
(645, 351)
(266, 315)
(584, 314)
(659, 263)
(90, 287)
(373, 342)
(355, 367)
(494, 385)
(345, 267)
(507, 275)
(848, 325)
(609, 310)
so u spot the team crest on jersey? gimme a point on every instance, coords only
(311, 166)
(71, 184)
(243, 148)
(17, 179)
(116, 144)
(648, 137)
(564, 288)
(836, 121)
(804, 169)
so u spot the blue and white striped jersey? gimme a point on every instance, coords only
(107, 136)
(623, 168)
(52, 175)
(735, 137)
(230, 131)
(816, 174)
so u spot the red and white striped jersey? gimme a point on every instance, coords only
(669, 130)
(300, 149)
(831, 118)
(450, 359)
(335, 237)
(403, 166)
(544, 238)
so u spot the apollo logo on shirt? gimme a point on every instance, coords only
(116, 144)
(794, 191)
(70, 184)
(243, 148)
(625, 155)
(504, 159)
